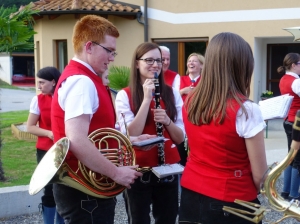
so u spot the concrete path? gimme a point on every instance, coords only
(15, 100)
(276, 146)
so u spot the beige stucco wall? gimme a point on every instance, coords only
(258, 22)
(47, 32)
(179, 6)
(131, 34)
(6, 68)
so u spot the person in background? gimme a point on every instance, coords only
(137, 104)
(227, 158)
(290, 84)
(39, 124)
(82, 104)
(105, 79)
(171, 77)
(195, 63)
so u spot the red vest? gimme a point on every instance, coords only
(169, 77)
(104, 116)
(218, 165)
(285, 86)
(150, 157)
(185, 81)
(44, 102)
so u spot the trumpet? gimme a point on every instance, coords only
(289, 209)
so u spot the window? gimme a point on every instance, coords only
(275, 56)
(61, 54)
(180, 49)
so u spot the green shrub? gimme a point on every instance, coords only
(118, 77)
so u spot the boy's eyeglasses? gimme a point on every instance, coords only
(113, 53)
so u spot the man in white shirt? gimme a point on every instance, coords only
(171, 77)
(82, 104)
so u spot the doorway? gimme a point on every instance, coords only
(275, 56)
(180, 49)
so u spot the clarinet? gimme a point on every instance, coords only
(159, 126)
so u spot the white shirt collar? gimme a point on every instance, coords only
(293, 74)
(84, 63)
(195, 79)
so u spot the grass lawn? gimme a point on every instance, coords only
(5, 85)
(17, 156)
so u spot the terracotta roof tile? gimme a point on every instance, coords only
(45, 6)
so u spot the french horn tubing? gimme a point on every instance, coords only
(53, 168)
(290, 209)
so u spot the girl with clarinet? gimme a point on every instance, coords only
(145, 113)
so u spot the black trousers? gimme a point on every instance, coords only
(147, 190)
(198, 208)
(183, 153)
(288, 128)
(77, 207)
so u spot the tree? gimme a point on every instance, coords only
(16, 29)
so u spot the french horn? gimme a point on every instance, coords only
(290, 209)
(53, 168)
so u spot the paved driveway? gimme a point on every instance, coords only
(14, 100)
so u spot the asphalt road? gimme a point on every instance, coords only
(14, 100)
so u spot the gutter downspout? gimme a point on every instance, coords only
(145, 23)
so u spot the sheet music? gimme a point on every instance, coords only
(149, 141)
(167, 170)
(275, 107)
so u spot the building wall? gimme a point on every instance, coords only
(62, 28)
(6, 68)
(47, 32)
(258, 22)
(131, 35)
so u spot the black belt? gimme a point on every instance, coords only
(287, 122)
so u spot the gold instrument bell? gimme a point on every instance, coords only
(49, 165)
(53, 168)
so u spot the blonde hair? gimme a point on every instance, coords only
(200, 58)
(92, 28)
(226, 75)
